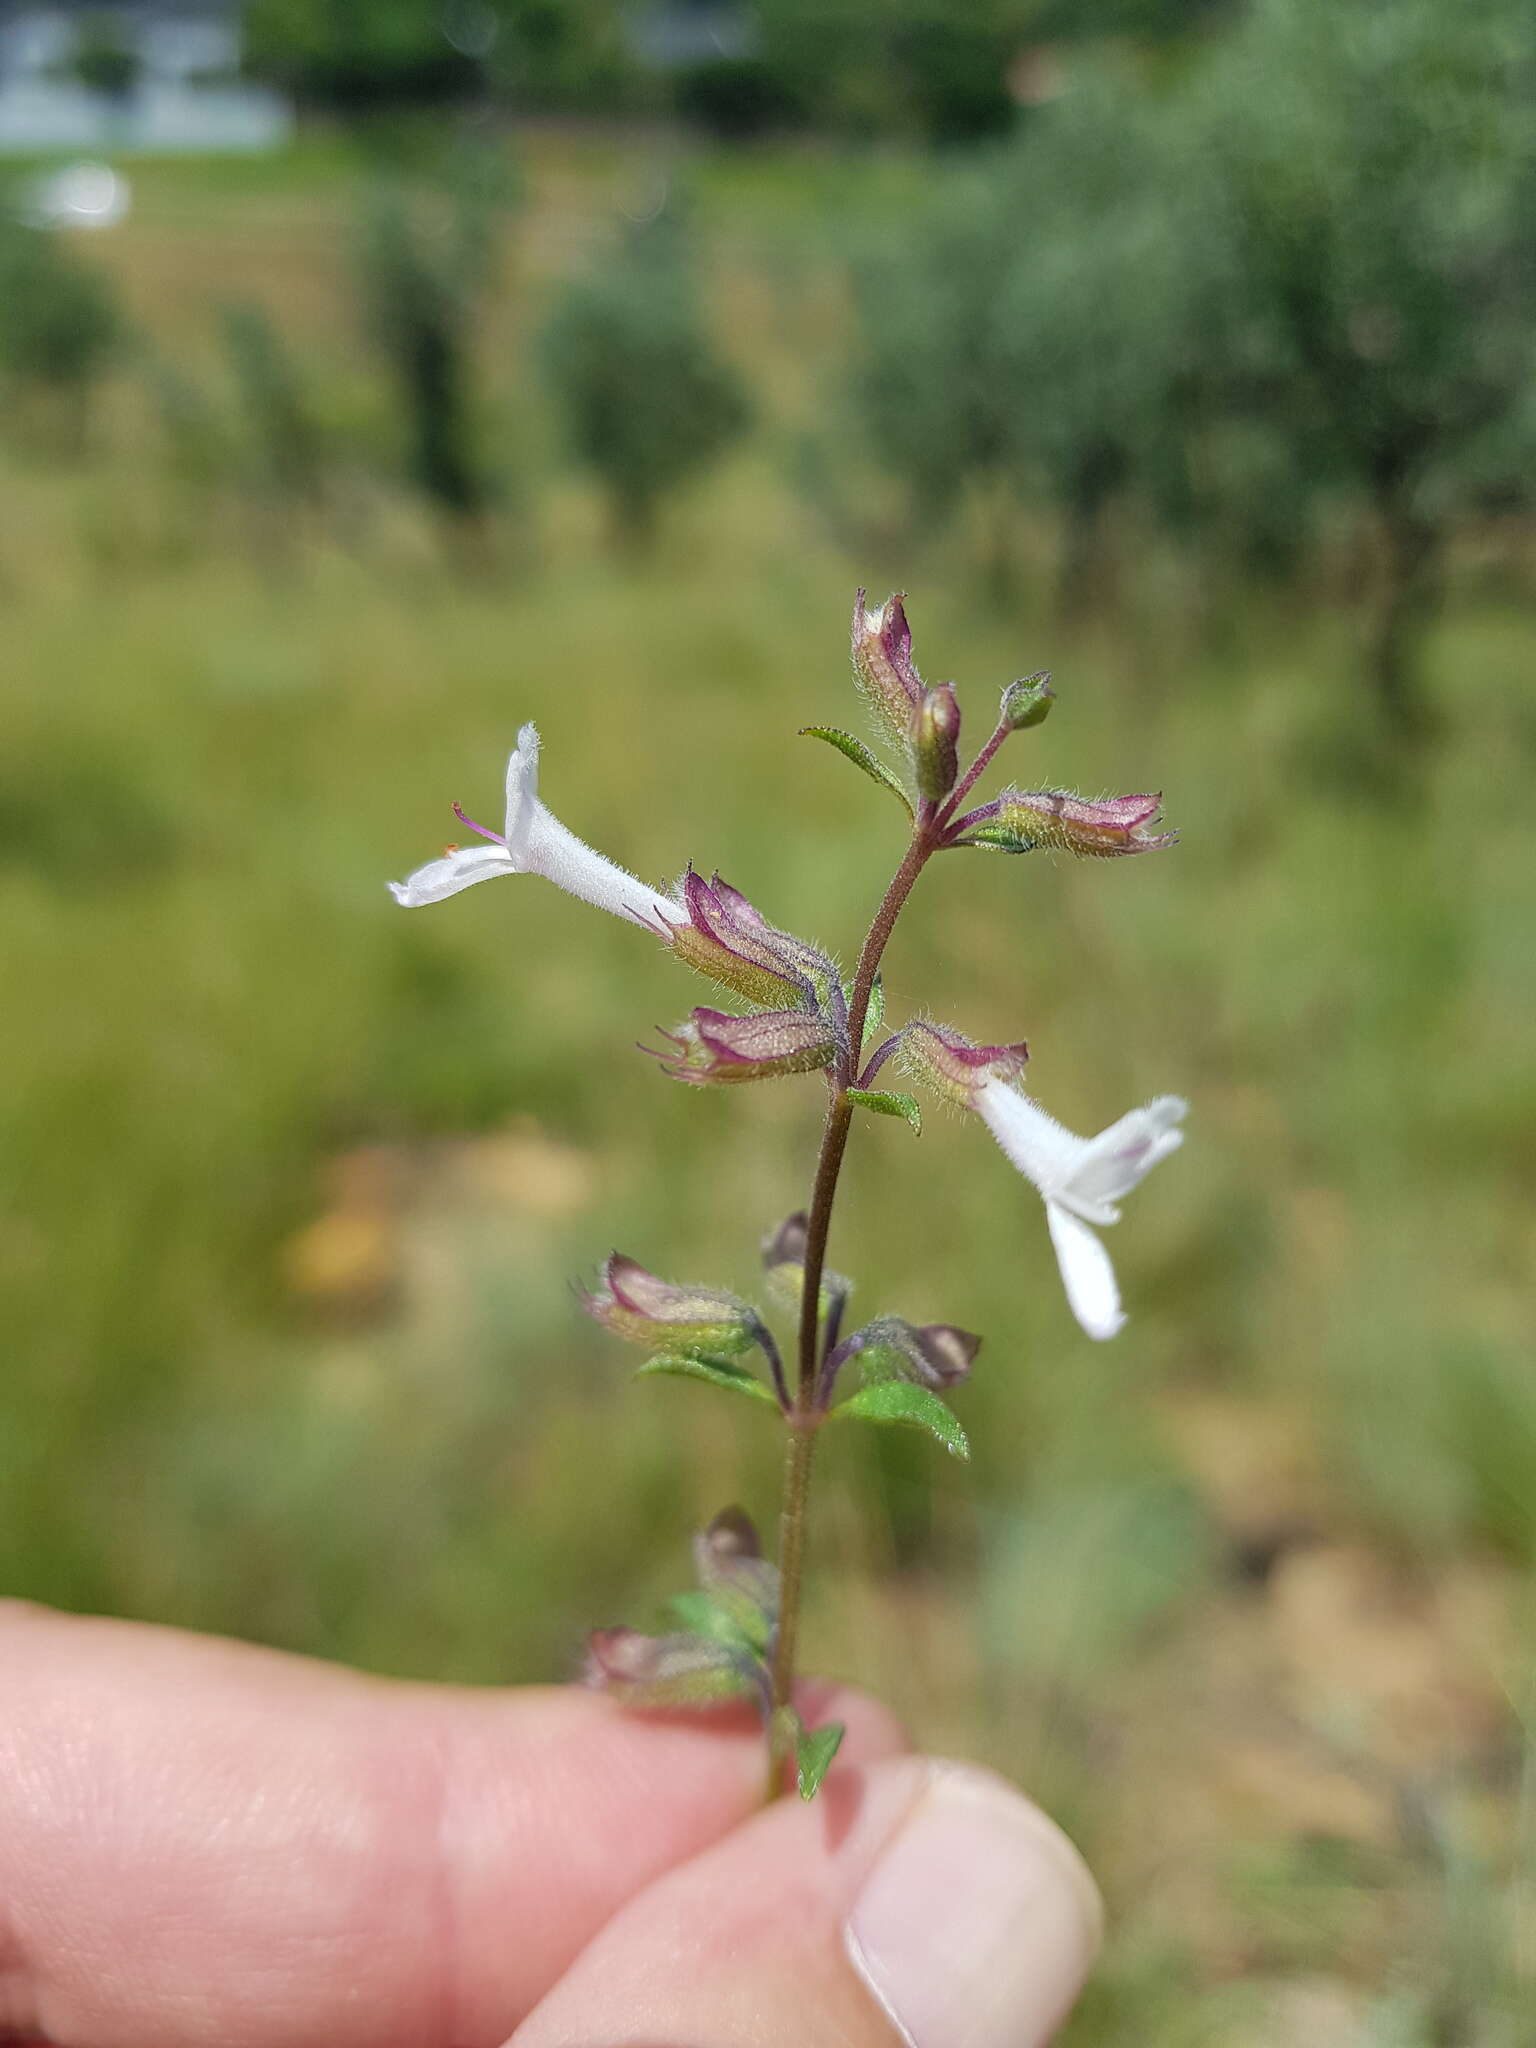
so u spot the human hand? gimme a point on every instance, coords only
(208, 1845)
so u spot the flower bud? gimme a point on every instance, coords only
(784, 1258)
(728, 941)
(936, 741)
(955, 1065)
(713, 1047)
(1022, 819)
(665, 1671)
(935, 1355)
(785, 1245)
(637, 1306)
(741, 1583)
(1028, 701)
(882, 665)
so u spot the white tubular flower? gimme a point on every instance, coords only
(534, 842)
(1081, 1180)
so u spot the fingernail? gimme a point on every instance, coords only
(979, 1923)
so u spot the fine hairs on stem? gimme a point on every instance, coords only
(736, 1633)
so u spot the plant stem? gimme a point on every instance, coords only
(797, 1485)
(972, 775)
(806, 1418)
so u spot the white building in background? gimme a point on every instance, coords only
(185, 93)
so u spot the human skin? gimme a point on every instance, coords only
(204, 1844)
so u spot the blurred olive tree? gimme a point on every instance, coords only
(61, 325)
(1037, 329)
(1374, 181)
(648, 398)
(428, 257)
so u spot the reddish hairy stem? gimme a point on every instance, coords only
(805, 1419)
(972, 775)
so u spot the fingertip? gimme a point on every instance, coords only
(979, 1921)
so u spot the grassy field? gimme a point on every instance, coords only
(296, 1184)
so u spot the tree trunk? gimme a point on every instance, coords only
(1405, 602)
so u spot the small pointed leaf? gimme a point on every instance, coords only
(814, 1752)
(861, 757)
(885, 1103)
(901, 1401)
(719, 1372)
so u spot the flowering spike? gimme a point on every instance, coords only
(883, 668)
(637, 1306)
(936, 741)
(533, 842)
(1028, 701)
(712, 1047)
(955, 1066)
(1021, 819)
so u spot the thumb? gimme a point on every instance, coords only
(914, 1902)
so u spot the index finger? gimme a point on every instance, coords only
(204, 1841)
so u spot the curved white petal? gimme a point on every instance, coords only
(522, 790)
(1111, 1164)
(1043, 1150)
(455, 871)
(1086, 1273)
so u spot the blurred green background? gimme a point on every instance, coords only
(1187, 352)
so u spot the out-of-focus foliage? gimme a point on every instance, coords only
(1038, 326)
(356, 54)
(647, 395)
(1373, 175)
(1293, 286)
(60, 320)
(428, 256)
(103, 59)
(284, 434)
(362, 55)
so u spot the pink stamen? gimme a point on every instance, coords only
(464, 819)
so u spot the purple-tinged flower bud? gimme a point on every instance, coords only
(1022, 819)
(784, 1258)
(955, 1065)
(785, 1245)
(1028, 701)
(666, 1671)
(712, 1047)
(728, 941)
(882, 665)
(936, 741)
(936, 1355)
(637, 1306)
(741, 1583)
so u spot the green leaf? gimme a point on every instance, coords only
(883, 1103)
(997, 839)
(861, 757)
(718, 1371)
(902, 1401)
(874, 1016)
(814, 1752)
